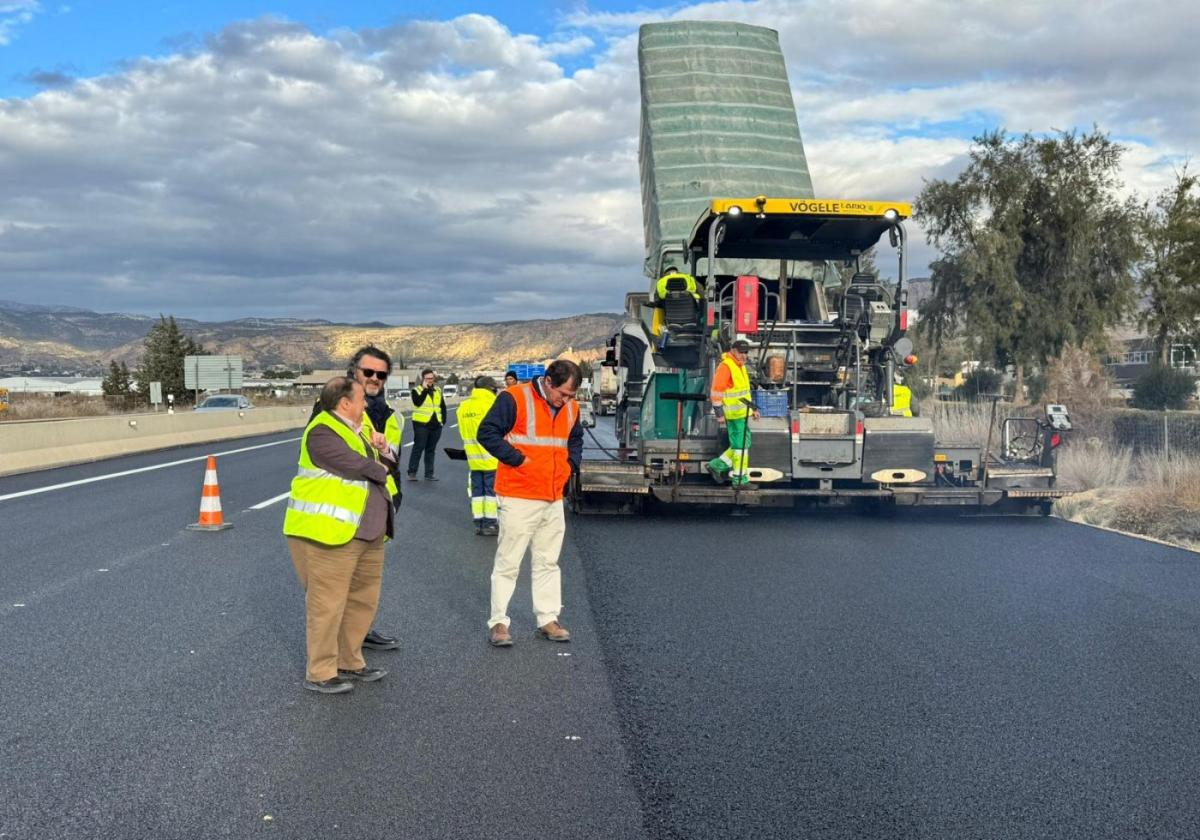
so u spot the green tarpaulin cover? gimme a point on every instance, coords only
(718, 121)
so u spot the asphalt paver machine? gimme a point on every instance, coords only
(727, 198)
(826, 342)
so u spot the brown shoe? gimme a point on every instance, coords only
(498, 637)
(555, 632)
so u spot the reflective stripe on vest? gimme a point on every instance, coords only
(324, 507)
(531, 436)
(426, 410)
(542, 436)
(470, 414)
(732, 400)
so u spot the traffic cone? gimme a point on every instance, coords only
(210, 502)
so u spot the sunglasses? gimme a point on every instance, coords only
(374, 374)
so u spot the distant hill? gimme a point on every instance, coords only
(77, 340)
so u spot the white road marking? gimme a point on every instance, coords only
(270, 501)
(47, 489)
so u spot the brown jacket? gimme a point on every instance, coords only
(330, 453)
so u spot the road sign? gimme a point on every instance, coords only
(156, 393)
(203, 373)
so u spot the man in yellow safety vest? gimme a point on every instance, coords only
(902, 404)
(339, 515)
(428, 417)
(663, 285)
(481, 464)
(731, 402)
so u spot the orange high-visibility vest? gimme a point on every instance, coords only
(541, 436)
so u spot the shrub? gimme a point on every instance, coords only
(979, 384)
(1163, 387)
(1035, 387)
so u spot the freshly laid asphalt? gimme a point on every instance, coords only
(833, 676)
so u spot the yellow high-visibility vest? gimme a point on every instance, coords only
(470, 413)
(393, 430)
(733, 400)
(660, 288)
(426, 410)
(901, 400)
(324, 507)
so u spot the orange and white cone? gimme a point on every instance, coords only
(211, 518)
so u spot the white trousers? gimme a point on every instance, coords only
(538, 526)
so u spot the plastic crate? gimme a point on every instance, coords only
(526, 372)
(771, 403)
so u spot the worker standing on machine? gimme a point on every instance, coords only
(730, 397)
(901, 397)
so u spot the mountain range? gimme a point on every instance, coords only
(72, 340)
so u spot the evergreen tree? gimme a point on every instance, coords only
(1170, 278)
(162, 361)
(1037, 248)
(118, 382)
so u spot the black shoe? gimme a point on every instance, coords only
(431, 478)
(478, 528)
(378, 641)
(412, 476)
(366, 674)
(334, 685)
(490, 529)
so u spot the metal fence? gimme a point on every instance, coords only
(1165, 433)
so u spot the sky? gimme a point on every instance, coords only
(477, 161)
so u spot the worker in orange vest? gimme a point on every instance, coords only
(533, 430)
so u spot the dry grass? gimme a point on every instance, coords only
(36, 407)
(1147, 495)
(962, 422)
(1091, 464)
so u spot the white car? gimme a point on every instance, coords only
(224, 402)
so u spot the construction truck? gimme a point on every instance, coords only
(792, 275)
(604, 391)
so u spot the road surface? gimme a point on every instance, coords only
(773, 676)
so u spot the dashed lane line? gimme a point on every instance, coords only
(279, 498)
(107, 476)
(270, 501)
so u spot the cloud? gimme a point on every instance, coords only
(13, 15)
(49, 78)
(439, 171)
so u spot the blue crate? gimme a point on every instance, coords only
(525, 372)
(771, 403)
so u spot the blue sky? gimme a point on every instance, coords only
(94, 37)
(437, 162)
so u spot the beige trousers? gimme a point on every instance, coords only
(341, 594)
(537, 526)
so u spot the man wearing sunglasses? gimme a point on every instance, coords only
(370, 366)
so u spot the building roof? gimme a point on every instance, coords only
(52, 385)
